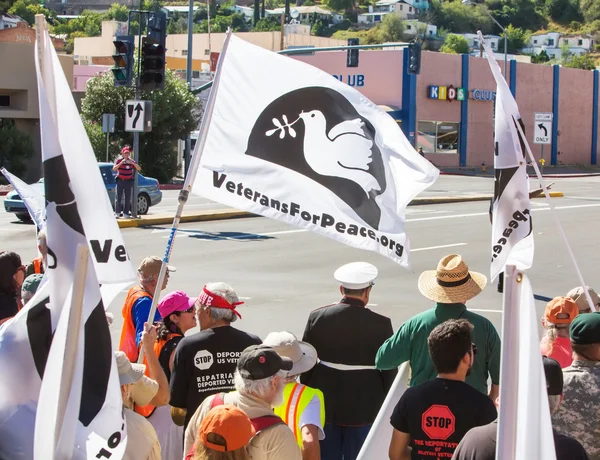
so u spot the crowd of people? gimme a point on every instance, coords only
(222, 393)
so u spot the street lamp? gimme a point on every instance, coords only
(470, 2)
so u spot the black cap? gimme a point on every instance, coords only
(260, 362)
(554, 376)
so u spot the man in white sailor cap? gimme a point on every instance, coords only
(346, 336)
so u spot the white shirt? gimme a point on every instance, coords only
(312, 416)
(142, 442)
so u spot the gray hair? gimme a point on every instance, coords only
(227, 292)
(258, 388)
(554, 402)
(41, 238)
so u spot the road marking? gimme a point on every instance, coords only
(484, 311)
(372, 304)
(593, 198)
(439, 247)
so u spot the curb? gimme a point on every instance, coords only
(544, 176)
(170, 186)
(3, 193)
(225, 214)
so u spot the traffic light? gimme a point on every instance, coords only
(123, 57)
(153, 53)
(414, 59)
(352, 57)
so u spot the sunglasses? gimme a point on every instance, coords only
(190, 310)
(474, 348)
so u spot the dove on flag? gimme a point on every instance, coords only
(512, 228)
(64, 382)
(288, 141)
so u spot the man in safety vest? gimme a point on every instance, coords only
(303, 408)
(138, 302)
(38, 264)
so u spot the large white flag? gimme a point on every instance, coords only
(34, 343)
(290, 142)
(524, 424)
(512, 229)
(34, 202)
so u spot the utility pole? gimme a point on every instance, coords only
(188, 75)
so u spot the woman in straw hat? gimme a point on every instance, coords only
(450, 286)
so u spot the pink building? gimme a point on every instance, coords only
(82, 73)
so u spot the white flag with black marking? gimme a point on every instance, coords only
(512, 229)
(288, 141)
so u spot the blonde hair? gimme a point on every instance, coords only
(553, 331)
(201, 452)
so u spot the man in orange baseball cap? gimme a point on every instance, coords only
(556, 343)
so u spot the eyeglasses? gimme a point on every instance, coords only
(21, 269)
(474, 348)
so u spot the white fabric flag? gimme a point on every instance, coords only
(78, 212)
(512, 229)
(524, 423)
(34, 202)
(290, 142)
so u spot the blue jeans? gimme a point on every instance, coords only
(343, 442)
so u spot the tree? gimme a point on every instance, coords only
(455, 44)
(117, 12)
(564, 11)
(16, 146)
(339, 5)
(27, 9)
(391, 28)
(541, 58)
(590, 10)
(515, 37)
(460, 18)
(585, 62)
(268, 24)
(175, 112)
(318, 28)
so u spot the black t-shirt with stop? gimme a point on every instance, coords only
(204, 364)
(437, 414)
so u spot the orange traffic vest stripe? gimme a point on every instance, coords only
(37, 265)
(127, 343)
(148, 409)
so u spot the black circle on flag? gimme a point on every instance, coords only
(318, 133)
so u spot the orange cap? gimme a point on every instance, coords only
(229, 422)
(561, 310)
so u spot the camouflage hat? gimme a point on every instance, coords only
(585, 329)
(31, 283)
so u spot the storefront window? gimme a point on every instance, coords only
(438, 136)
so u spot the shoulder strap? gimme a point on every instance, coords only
(218, 400)
(265, 422)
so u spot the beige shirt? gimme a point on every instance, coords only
(142, 442)
(274, 443)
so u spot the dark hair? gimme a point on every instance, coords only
(354, 292)
(448, 343)
(166, 327)
(10, 262)
(584, 350)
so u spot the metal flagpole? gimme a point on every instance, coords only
(556, 218)
(509, 368)
(187, 186)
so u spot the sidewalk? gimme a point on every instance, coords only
(548, 171)
(222, 214)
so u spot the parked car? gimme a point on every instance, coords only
(148, 193)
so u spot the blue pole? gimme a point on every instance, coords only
(464, 112)
(595, 119)
(409, 101)
(513, 78)
(555, 92)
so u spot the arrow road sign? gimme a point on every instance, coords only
(135, 116)
(542, 132)
(541, 126)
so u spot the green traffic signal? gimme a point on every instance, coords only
(123, 58)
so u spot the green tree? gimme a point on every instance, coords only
(267, 24)
(15, 148)
(585, 62)
(459, 18)
(590, 10)
(175, 112)
(391, 28)
(339, 5)
(455, 44)
(27, 9)
(515, 37)
(564, 11)
(541, 58)
(318, 28)
(117, 12)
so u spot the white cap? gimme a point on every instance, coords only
(357, 275)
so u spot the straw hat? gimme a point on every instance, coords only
(451, 282)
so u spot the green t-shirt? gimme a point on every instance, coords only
(409, 343)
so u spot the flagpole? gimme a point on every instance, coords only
(556, 218)
(187, 186)
(40, 27)
(509, 368)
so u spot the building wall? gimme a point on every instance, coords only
(82, 73)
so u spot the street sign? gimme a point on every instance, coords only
(138, 116)
(543, 116)
(108, 122)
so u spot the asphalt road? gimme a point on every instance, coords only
(282, 273)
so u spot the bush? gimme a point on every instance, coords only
(455, 44)
(16, 146)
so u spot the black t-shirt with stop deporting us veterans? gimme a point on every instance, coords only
(204, 365)
(437, 414)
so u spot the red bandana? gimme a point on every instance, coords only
(213, 300)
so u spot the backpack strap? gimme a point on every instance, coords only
(218, 400)
(265, 422)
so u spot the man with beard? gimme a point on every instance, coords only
(433, 417)
(259, 382)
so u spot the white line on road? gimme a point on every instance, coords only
(439, 247)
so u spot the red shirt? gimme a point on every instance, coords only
(561, 351)
(125, 171)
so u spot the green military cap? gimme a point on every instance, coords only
(31, 283)
(585, 329)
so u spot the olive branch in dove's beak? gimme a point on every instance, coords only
(282, 126)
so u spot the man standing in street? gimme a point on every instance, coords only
(579, 414)
(347, 336)
(138, 302)
(451, 285)
(205, 362)
(125, 174)
(432, 417)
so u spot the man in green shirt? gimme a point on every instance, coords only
(450, 286)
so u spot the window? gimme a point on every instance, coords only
(408, 27)
(580, 42)
(493, 45)
(107, 174)
(535, 42)
(195, 74)
(401, 7)
(438, 136)
(410, 9)
(4, 100)
(184, 52)
(550, 42)
(565, 41)
(377, 17)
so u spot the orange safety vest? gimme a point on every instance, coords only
(37, 265)
(148, 409)
(127, 343)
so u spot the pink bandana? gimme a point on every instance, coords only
(213, 300)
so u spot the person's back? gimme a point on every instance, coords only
(142, 442)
